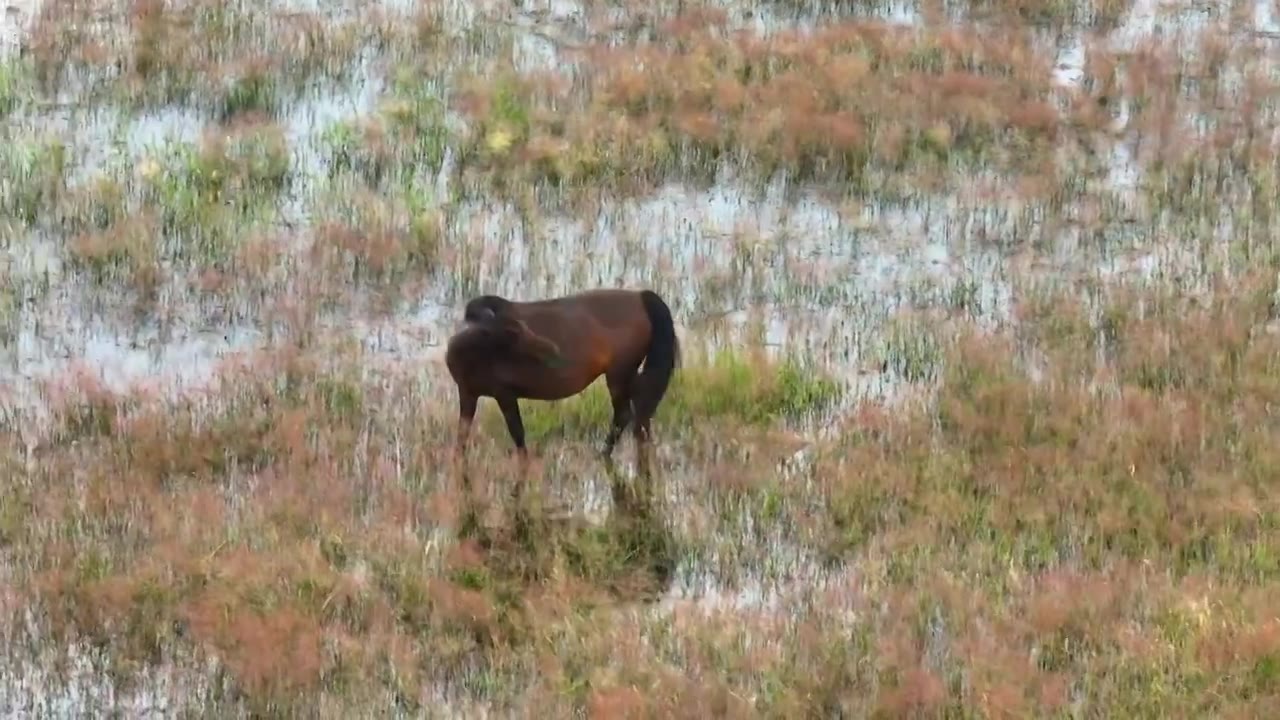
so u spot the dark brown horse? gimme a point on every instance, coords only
(552, 349)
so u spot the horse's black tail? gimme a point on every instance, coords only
(662, 359)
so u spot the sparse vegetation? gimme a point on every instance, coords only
(854, 103)
(975, 414)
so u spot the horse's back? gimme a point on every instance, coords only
(606, 315)
(608, 300)
(602, 328)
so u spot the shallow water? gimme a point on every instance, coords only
(787, 269)
(797, 256)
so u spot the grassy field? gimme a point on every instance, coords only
(977, 414)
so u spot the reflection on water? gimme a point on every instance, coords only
(30, 687)
(784, 267)
(818, 276)
(722, 255)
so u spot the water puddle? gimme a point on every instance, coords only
(779, 267)
(738, 267)
(31, 689)
(15, 19)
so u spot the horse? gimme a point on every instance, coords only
(555, 348)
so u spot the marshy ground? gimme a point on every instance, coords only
(978, 411)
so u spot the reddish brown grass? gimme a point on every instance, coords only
(817, 105)
(1101, 530)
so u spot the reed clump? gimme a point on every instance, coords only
(848, 104)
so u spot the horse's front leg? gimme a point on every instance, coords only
(466, 413)
(515, 425)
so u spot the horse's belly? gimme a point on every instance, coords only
(546, 384)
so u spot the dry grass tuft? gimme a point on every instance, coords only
(1018, 543)
(1072, 510)
(824, 106)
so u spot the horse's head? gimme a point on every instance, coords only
(490, 326)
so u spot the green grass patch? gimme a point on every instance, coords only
(733, 388)
(379, 238)
(16, 85)
(912, 350)
(207, 195)
(33, 175)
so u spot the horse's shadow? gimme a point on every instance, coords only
(632, 553)
(637, 500)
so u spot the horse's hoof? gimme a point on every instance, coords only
(522, 459)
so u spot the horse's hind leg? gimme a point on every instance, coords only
(620, 385)
(640, 429)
